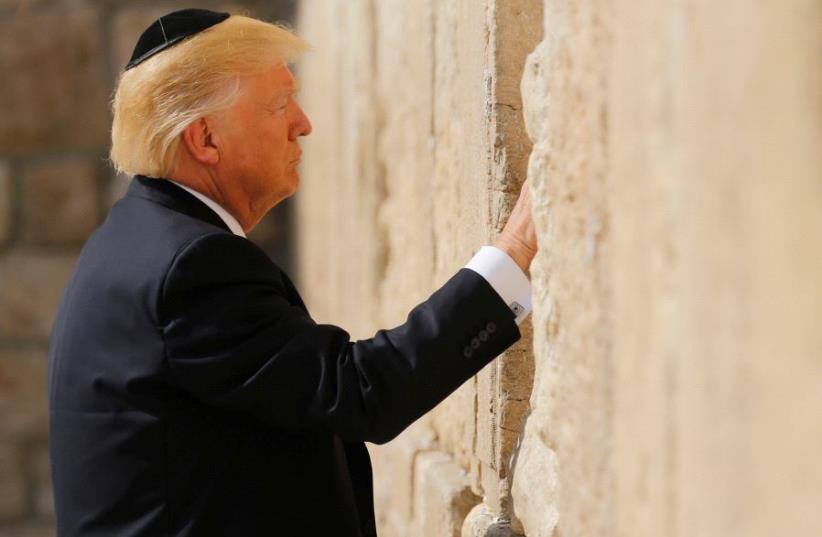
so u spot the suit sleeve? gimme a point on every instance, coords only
(234, 341)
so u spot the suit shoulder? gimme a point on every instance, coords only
(147, 218)
(220, 257)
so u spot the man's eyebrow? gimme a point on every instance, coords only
(284, 92)
(291, 89)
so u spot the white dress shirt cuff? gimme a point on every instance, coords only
(506, 277)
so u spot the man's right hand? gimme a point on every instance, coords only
(518, 238)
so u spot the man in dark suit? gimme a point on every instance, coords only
(190, 391)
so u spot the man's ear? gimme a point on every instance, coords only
(198, 138)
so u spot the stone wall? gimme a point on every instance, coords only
(58, 63)
(673, 385)
(415, 160)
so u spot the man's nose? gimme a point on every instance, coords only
(301, 126)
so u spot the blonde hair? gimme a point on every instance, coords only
(156, 100)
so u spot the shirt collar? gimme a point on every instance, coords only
(226, 217)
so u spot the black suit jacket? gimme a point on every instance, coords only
(192, 394)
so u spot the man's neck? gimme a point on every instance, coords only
(229, 219)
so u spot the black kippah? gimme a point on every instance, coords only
(172, 28)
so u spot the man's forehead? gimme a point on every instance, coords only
(284, 81)
(273, 83)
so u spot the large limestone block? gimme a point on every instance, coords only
(536, 487)
(12, 482)
(59, 199)
(55, 91)
(27, 306)
(717, 370)
(414, 162)
(442, 496)
(561, 478)
(23, 395)
(396, 461)
(343, 251)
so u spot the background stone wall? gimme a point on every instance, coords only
(59, 60)
(675, 384)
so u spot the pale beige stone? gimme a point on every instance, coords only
(673, 176)
(561, 475)
(442, 496)
(413, 164)
(674, 172)
(397, 460)
(716, 204)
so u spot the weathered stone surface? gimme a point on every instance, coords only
(536, 484)
(28, 306)
(59, 200)
(562, 461)
(12, 482)
(675, 180)
(413, 164)
(502, 402)
(23, 394)
(674, 219)
(394, 503)
(482, 522)
(56, 96)
(5, 203)
(442, 496)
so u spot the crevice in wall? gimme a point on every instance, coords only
(510, 38)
